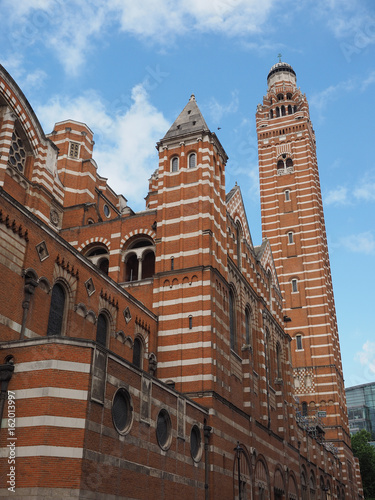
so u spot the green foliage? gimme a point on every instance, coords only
(365, 453)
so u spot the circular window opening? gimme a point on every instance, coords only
(122, 411)
(164, 429)
(195, 443)
(106, 210)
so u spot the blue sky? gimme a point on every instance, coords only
(127, 69)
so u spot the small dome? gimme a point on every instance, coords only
(280, 66)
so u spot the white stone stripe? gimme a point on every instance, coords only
(44, 451)
(48, 420)
(51, 392)
(185, 362)
(192, 378)
(167, 288)
(52, 364)
(170, 317)
(184, 300)
(191, 345)
(182, 254)
(79, 191)
(78, 174)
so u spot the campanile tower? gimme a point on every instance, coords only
(293, 221)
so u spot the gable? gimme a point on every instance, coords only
(236, 210)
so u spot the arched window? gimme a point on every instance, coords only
(289, 162)
(267, 353)
(282, 110)
(289, 96)
(294, 285)
(290, 238)
(17, 152)
(299, 342)
(139, 259)
(137, 352)
(295, 109)
(312, 485)
(271, 113)
(102, 329)
(304, 409)
(99, 256)
(290, 111)
(232, 319)
(277, 112)
(192, 160)
(131, 268)
(248, 327)
(287, 195)
(148, 265)
(280, 165)
(280, 97)
(279, 372)
(57, 310)
(174, 164)
(238, 237)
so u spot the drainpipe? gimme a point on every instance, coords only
(206, 431)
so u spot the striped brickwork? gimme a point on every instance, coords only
(293, 222)
(194, 336)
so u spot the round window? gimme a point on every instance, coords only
(122, 411)
(107, 211)
(195, 443)
(164, 429)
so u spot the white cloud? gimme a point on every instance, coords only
(343, 17)
(165, 18)
(366, 356)
(360, 243)
(69, 28)
(321, 100)
(365, 191)
(218, 110)
(125, 143)
(338, 196)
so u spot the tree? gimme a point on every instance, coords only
(365, 453)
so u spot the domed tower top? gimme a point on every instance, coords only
(281, 72)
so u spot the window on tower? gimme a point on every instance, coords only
(287, 195)
(290, 110)
(232, 319)
(299, 342)
(289, 97)
(282, 110)
(280, 165)
(294, 285)
(271, 113)
(290, 237)
(280, 97)
(174, 164)
(277, 112)
(192, 160)
(289, 163)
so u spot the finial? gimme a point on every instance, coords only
(192, 97)
(279, 56)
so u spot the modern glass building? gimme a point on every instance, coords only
(361, 408)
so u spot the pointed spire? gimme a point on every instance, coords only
(189, 121)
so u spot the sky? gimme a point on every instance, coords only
(128, 68)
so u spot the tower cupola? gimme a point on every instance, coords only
(281, 72)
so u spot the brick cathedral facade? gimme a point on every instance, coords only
(161, 354)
